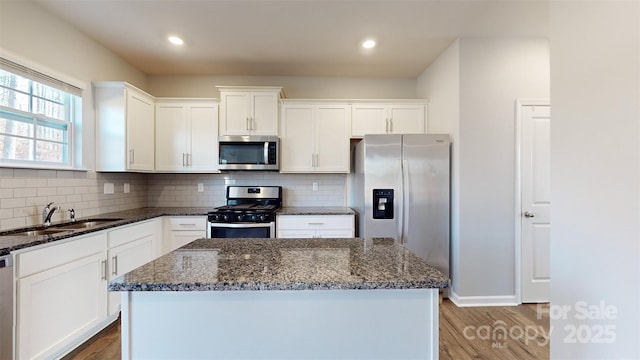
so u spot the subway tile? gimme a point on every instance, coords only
(12, 203)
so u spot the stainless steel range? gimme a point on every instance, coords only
(250, 212)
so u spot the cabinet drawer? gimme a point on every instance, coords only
(315, 222)
(124, 234)
(35, 261)
(188, 223)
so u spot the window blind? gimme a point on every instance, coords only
(37, 76)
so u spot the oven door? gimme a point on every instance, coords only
(241, 230)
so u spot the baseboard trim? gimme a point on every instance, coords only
(468, 301)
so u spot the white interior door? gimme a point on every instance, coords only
(535, 202)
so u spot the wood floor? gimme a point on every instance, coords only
(491, 333)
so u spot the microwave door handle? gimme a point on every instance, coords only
(266, 152)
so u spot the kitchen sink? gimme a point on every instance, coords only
(40, 232)
(85, 224)
(69, 227)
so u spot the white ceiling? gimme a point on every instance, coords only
(295, 37)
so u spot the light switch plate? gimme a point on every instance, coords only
(108, 188)
(315, 186)
(200, 187)
(127, 188)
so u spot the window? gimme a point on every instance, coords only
(36, 119)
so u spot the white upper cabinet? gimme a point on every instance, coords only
(124, 128)
(314, 137)
(249, 110)
(388, 118)
(186, 135)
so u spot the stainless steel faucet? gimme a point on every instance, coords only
(47, 213)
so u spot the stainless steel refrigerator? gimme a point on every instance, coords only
(401, 190)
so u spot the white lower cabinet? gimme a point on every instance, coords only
(61, 288)
(130, 247)
(61, 296)
(181, 230)
(315, 226)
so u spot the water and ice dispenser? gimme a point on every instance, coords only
(383, 203)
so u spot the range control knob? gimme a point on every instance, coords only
(225, 217)
(239, 217)
(215, 217)
(263, 217)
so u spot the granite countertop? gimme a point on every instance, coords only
(10, 241)
(315, 210)
(284, 264)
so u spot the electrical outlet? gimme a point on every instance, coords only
(314, 185)
(200, 187)
(109, 188)
(127, 188)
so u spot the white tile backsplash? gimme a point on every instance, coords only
(25, 192)
(182, 189)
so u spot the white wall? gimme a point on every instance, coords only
(473, 97)
(595, 177)
(440, 83)
(493, 73)
(34, 35)
(295, 87)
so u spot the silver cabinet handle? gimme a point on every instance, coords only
(187, 224)
(317, 160)
(529, 214)
(114, 265)
(252, 123)
(103, 263)
(247, 125)
(131, 156)
(188, 159)
(390, 125)
(313, 161)
(386, 125)
(183, 154)
(315, 223)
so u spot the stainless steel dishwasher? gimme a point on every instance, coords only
(6, 307)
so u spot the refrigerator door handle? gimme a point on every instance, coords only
(399, 200)
(404, 211)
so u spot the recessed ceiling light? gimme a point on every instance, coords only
(368, 44)
(175, 40)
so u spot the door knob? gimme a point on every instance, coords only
(529, 214)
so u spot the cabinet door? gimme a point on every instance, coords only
(181, 238)
(203, 152)
(296, 233)
(264, 117)
(407, 119)
(332, 138)
(171, 137)
(125, 258)
(58, 305)
(368, 119)
(297, 139)
(140, 131)
(235, 111)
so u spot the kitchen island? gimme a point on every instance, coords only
(282, 299)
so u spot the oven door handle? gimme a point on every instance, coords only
(239, 225)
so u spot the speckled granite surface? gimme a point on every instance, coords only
(11, 242)
(283, 264)
(316, 210)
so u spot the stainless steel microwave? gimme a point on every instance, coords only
(246, 152)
